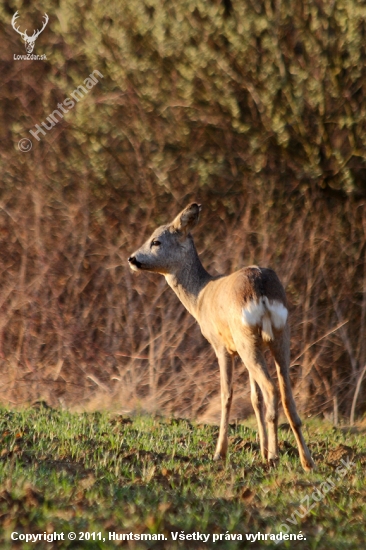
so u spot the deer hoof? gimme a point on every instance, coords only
(273, 462)
(308, 465)
(218, 456)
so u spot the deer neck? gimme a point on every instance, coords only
(188, 281)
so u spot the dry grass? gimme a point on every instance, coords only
(78, 329)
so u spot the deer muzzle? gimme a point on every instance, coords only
(134, 263)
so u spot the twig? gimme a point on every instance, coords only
(357, 391)
(316, 341)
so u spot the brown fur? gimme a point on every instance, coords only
(239, 314)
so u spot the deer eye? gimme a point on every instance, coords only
(155, 243)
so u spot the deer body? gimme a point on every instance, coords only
(239, 314)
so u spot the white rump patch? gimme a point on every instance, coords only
(253, 313)
(265, 314)
(278, 313)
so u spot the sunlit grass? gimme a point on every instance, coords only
(63, 472)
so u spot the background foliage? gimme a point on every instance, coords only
(257, 110)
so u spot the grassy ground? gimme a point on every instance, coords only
(98, 473)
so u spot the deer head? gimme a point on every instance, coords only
(29, 40)
(170, 246)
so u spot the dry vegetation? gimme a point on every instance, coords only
(256, 110)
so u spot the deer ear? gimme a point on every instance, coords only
(187, 219)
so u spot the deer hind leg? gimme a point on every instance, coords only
(252, 356)
(280, 349)
(257, 402)
(226, 373)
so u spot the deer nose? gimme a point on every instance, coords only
(132, 260)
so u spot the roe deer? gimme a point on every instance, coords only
(239, 314)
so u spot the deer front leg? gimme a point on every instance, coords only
(226, 372)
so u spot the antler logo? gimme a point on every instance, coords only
(29, 40)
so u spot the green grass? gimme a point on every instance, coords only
(101, 473)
